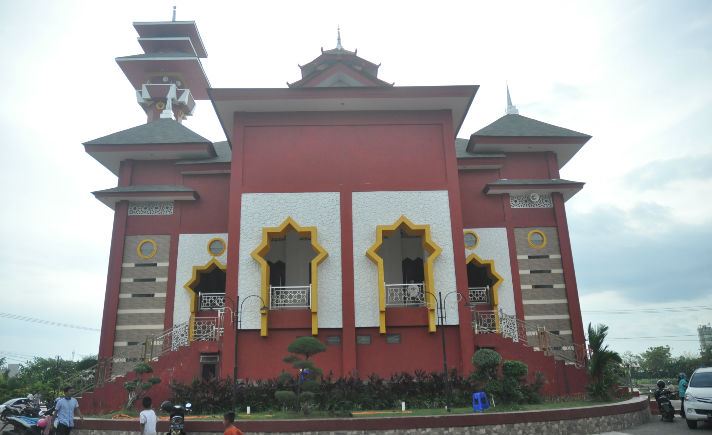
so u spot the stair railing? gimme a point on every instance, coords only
(529, 334)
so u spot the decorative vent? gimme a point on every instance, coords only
(533, 200)
(150, 208)
(209, 358)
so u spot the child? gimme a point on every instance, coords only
(148, 418)
(229, 422)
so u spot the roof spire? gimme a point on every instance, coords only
(174, 13)
(511, 108)
(338, 38)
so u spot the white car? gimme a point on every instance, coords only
(18, 401)
(698, 397)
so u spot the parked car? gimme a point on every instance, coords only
(18, 401)
(698, 397)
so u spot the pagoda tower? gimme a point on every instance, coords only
(168, 77)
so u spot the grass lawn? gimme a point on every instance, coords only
(277, 415)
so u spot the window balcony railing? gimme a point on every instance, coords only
(293, 297)
(405, 295)
(212, 301)
(479, 295)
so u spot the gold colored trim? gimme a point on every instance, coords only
(141, 243)
(259, 253)
(433, 249)
(195, 280)
(529, 239)
(215, 240)
(477, 238)
(494, 276)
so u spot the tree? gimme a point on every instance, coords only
(604, 363)
(137, 387)
(306, 372)
(656, 360)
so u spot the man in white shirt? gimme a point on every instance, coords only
(148, 418)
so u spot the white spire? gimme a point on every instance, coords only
(338, 38)
(174, 13)
(511, 108)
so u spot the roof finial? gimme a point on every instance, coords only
(338, 38)
(174, 13)
(511, 108)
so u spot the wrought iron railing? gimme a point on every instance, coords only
(479, 295)
(212, 301)
(290, 297)
(529, 334)
(206, 329)
(405, 295)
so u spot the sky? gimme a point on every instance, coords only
(635, 75)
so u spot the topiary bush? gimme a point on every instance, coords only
(486, 362)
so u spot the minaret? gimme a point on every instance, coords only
(168, 77)
(511, 108)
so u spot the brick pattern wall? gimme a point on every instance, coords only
(142, 300)
(542, 280)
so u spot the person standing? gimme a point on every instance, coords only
(65, 410)
(229, 422)
(682, 384)
(148, 418)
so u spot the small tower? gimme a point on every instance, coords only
(511, 108)
(168, 77)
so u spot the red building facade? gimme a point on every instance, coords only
(341, 207)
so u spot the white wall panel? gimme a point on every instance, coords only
(319, 209)
(192, 251)
(371, 209)
(493, 245)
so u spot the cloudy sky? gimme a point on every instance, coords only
(636, 75)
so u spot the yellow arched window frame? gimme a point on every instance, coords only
(194, 281)
(259, 253)
(428, 245)
(496, 281)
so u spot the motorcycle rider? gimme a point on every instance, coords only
(682, 384)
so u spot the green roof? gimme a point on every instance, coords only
(143, 189)
(462, 153)
(521, 126)
(532, 182)
(222, 151)
(161, 131)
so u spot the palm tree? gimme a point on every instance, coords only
(603, 364)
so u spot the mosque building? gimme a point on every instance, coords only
(340, 207)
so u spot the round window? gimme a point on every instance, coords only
(471, 239)
(536, 239)
(216, 247)
(147, 248)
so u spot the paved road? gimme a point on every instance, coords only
(657, 427)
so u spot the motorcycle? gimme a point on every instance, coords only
(662, 397)
(24, 425)
(177, 413)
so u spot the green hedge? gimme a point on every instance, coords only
(334, 394)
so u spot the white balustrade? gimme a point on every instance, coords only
(212, 301)
(290, 297)
(405, 295)
(479, 295)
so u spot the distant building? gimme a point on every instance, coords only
(13, 370)
(705, 334)
(340, 207)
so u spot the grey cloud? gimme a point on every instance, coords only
(660, 173)
(665, 266)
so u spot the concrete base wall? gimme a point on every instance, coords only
(587, 420)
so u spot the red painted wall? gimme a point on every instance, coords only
(209, 214)
(480, 210)
(418, 350)
(320, 152)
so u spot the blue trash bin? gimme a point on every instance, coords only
(479, 402)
